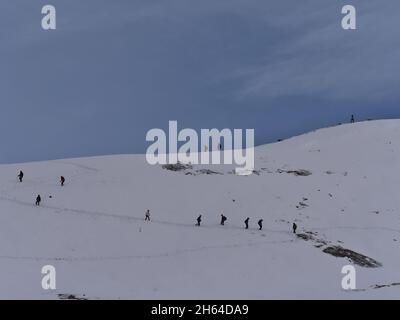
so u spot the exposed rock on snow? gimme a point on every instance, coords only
(177, 166)
(207, 171)
(300, 172)
(64, 296)
(356, 258)
(379, 286)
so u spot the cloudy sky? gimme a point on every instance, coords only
(115, 69)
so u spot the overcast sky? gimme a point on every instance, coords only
(115, 69)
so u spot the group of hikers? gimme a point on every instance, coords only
(147, 213)
(223, 220)
(39, 198)
(246, 222)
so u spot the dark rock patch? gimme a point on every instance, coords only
(355, 257)
(67, 296)
(176, 166)
(207, 171)
(379, 286)
(299, 172)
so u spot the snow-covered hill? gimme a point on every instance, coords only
(92, 229)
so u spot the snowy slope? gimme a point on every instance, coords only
(92, 229)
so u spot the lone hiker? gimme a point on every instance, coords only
(198, 221)
(352, 118)
(246, 222)
(260, 223)
(223, 219)
(62, 180)
(294, 227)
(20, 176)
(147, 217)
(38, 200)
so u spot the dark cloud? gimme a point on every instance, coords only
(115, 69)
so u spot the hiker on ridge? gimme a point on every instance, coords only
(20, 176)
(246, 222)
(198, 221)
(147, 217)
(223, 219)
(38, 200)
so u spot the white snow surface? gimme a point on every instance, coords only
(93, 232)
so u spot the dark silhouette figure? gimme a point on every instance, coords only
(62, 180)
(20, 176)
(352, 118)
(260, 223)
(198, 221)
(294, 227)
(147, 217)
(223, 219)
(246, 222)
(38, 200)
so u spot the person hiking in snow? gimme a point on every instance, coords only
(38, 200)
(352, 118)
(260, 223)
(20, 176)
(246, 222)
(147, 218)
(62, 180)
(198, 221)
(223, 219)
(294, 227)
